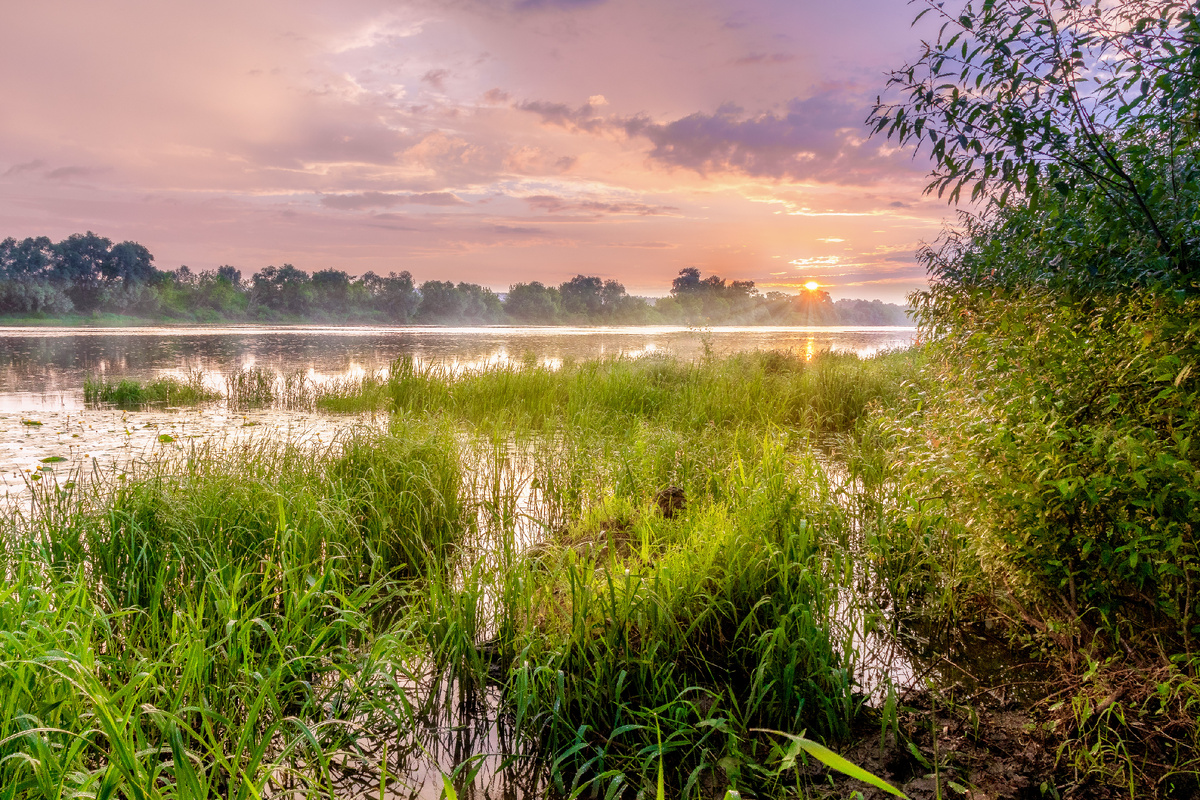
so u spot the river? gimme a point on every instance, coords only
(47, 428)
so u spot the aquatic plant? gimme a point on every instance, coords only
(130, 394)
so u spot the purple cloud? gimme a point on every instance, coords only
(436, 78)
(70, 173)
(821, 137)
(818, 138)
(554, 205)
(26, 166)
(583, 118)
(390, 200)
(567, 5)
(755, 59)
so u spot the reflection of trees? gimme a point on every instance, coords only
(52, 363)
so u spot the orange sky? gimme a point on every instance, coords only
(492, 141)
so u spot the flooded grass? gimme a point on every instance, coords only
(168, 391)
(486, 584)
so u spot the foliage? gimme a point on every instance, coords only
(87, 273)
(215, 628)
(130, 394)
(1087, 112)
(1077, 450)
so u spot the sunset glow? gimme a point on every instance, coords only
(812, 286)
(493, 142)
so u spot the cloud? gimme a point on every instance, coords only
(25, 166)
(562, 115)
(755, 59)
(517, 230)
(567, 5)
(818, 138)
(555, 205)
(496, 96)
(70, 173)
(644, 245)
(436, 78)
(390, 200)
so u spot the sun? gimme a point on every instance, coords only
(812, 286)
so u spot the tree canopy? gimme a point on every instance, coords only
(1078, 118)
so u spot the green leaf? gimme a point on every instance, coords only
(832, 760)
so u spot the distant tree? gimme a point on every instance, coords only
(394, 296)
(814, 307)
(533, 302)
(479, 304)
(612, 298)
(28, 259)
(440, 300)
(331, 290)
(129, 264)
(870, 312)
(283, 289)
(688, 281)
(581, 296)
(79, 264)
(231, 274)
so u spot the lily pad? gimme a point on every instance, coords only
(52, 459)
(30, 422)
(166, 438)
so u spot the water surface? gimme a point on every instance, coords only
(42, 371)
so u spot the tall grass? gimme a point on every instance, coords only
(827, 394)
(224, 626)
(129, 394)
(243, 623)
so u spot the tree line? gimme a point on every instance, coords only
(86, 274)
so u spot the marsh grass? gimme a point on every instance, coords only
(226, 624)
(170, 391)
(252, 387)
(827, 394)
(243, 622)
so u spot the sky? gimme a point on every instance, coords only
(488, 141)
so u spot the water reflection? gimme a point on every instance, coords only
(42, 370)
(40, 367)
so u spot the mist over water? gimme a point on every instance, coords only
(44, 368)
(43, 416)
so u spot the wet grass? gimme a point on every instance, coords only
(827, 394)
(222, 623)
(261, 619)
(169, 391)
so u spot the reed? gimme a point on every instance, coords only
(252, 387)
(220, 628)
(255, 619)
(130, 394)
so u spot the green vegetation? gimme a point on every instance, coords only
(673, 572)
(225, 622)
(1049, 463)
(86, 278)
(168, 391)
(508, 530)
(220, 623)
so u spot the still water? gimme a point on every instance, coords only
(44, 368)
(43, 417)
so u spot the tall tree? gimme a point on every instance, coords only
(79, 264)
(1097, 104)
(581, 296)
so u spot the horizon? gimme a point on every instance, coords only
(480, 141)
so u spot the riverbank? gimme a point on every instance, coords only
(629, 570)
